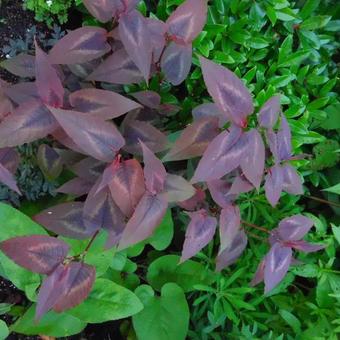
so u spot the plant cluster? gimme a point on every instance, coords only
(112, 200)
(50, 11)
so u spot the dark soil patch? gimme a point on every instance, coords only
(14, 23)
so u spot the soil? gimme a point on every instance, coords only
(14, 22)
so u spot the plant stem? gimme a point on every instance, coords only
(90, 243)
(255, 236)
(323, 201)
(255, 226)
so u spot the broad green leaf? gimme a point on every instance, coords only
(186, 275)
(97, 255)
(51, 324)
(308, 8)
(334, 189)
(13, 224)
(164, 317)
(107, 301)
(163, 234)
(281, 81)
(307, 270)
(4, 331)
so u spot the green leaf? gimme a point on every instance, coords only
(308, 8)
(334, 189)
(333, 120)
(294, 58)
(307, 270)
(4, 331)
(187, 274)
(15, 224)
(281, 81)
(164, 317)
(336, 232)
(291, 320)
(316, 22)
(107, 301)
(164, 233)
(51, 324)
(97, 255)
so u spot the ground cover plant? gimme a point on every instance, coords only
(102, 103)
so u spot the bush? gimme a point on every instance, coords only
(124, 210)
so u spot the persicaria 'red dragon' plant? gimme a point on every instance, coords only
(65, 103)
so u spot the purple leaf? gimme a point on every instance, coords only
(22, 92)
(49, 162)
(104, 104)
(284, 138)
(79, 46)
(102, 10)
(49, 86)
(194, 140)
(37, 253)
(154, 171)
(8, 179)
(22, 65)
(127, 186)
(77, 187)
(269, 112)
(29, 122)
(187, 21)
(294, 228)
(273, 144)
(147, 216)
(274, 184)
(252, 163)
(10, 159)
(149, 99)
(177, 189)
(117, 69)
(65, 219)
(51, 289)
(277, 264)
(291, 180)
(239, 186)
(157, 31)
(224, 153)
(199, 233)
(305, 246)
(136, 130)
(96, 137)
(78, 279)
(233, 252)
(210, 110)
(228, 91)
(89, 168)
(134, 34)
(259, 275)
(100, 211)
(219, 191)
(230, 223)
(176, 62)
(195, 201)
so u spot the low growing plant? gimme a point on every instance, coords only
(230, 149)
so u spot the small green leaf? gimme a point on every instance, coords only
(291, 320)
(4, 331)
(334, 189)
(316, 22)
(336, 232)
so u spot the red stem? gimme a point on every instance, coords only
(255, 226)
